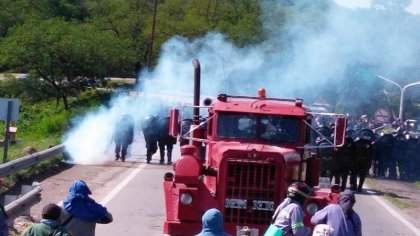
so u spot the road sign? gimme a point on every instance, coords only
(382, 115)
(14, 109)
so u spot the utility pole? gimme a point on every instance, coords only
(149, 57)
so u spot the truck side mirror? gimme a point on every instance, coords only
(173, 122)
(340, 131)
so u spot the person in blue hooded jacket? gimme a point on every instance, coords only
(212, 221)
(81, 213)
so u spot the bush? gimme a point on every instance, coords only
(27, 90)
(92, 98)
(53, 125)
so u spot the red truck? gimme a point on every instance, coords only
(241, 159)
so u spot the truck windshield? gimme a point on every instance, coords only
(267, 128)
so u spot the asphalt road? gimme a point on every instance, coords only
(133, 193)
(137, 204)
(381, 218)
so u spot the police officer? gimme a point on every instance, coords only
(385, 143)
(408, 152)
(165, 140)
(344, 159)
(398, 155)
(151, 135)
(416, 161)
(363, 158)
(328, 165)
(185, 125)
(123, 136)
(411, 155)
(375, 156)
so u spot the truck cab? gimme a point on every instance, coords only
(241, 160)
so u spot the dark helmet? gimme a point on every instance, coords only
(324, 130)
(149, 123)
(365, 134)
(149, 119)
(350, 133)
(298, 191)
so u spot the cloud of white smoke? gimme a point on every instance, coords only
(302, 57)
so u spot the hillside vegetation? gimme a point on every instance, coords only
(42, 121)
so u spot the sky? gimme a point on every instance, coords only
(414, 8)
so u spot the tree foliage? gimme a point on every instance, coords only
(67, 41)
(64, 42)
(62, 53)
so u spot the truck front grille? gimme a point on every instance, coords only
(250, 191)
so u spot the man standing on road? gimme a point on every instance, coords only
(165, 140)
(341, 217)
(123, 136)
(151, 135)
(289, 214)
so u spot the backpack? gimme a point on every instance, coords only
(322, 230)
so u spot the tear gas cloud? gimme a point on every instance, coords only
(91, 140)
(300, 59)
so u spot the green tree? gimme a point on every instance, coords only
(70, 10)
(62, 54)
(238, 19)
(11, 13)
(129, 21)
(28, 90)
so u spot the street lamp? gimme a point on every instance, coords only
(402, 91)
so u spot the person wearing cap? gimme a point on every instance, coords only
(81, 213)
(289, 214)
(49, 225)
(341, 217)
(212, 221)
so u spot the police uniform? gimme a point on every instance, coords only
(151, 135)
(165, 140)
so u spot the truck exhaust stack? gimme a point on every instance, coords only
(196, 111)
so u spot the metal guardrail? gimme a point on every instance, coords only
(24, 202)
(30, 160)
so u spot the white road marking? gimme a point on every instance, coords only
(396, 214)
(121, 185)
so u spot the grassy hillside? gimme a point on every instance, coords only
(41, 124)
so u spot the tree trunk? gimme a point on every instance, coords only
(66, 102)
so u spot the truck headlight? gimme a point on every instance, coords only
(186, 198)
(311, 208)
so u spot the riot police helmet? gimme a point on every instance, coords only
(298, 191)
(400, 137)
(324, 130)
(350, 133)
(365, 134)
(149, 120)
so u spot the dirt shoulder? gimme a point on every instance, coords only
(404, 195)
(100, 179)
